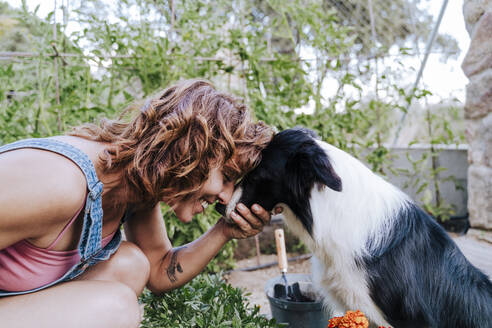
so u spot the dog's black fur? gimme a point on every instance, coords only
(291, 165)
(417, 277)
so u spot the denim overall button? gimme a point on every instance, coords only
(96, 190)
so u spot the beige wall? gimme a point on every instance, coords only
(477, 66)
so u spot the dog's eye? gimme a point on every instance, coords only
(238, 181)
(254, 179)
(262, 175)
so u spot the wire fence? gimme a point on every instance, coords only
(385, 34)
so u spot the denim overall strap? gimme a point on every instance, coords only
(90, 240)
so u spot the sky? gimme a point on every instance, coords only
(444, 80)
(447, 78)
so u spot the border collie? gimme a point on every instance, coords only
(374, 249)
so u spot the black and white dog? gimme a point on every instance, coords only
(374, 249)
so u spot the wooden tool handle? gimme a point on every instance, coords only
(281, 253)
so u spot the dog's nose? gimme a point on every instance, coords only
(221, 208)
(236, 196)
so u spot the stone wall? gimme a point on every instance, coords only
(477, 66)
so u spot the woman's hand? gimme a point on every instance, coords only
(247, 222)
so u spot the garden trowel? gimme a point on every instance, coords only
(284, 291)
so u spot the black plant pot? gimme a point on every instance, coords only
(297, 314)
(456, 224)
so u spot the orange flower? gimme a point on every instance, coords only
(334, 322)
(351, 319)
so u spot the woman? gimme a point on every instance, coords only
(63, 264)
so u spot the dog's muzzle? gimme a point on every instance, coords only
(227, 210)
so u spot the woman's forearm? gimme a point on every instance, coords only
(181, 264)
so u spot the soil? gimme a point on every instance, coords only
(253, 282)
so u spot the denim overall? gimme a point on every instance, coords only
(89, 247)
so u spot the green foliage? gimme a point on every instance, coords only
(181, 233)
(427, 174)
(227, 42)
(207, 301)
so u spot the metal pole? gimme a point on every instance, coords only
(258, 252)
(428, 47)
(374, 39)
(55, 72)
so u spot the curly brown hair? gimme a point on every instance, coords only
(166, 151)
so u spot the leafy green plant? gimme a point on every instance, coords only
(206, 301)
(425, 178)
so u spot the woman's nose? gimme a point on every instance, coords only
(226, 193)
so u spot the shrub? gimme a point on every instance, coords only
(206, 301)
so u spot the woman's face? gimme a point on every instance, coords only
(216, 188)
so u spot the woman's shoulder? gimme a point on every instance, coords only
(93, 149)
(41, 184)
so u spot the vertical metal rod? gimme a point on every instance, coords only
(243, 65)
(376, 64)
(172, 14)
(55, 68)
(258, 253)
(373, 32)
(428, 47)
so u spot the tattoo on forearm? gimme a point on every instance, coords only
(174, 265)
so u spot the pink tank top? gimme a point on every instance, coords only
(24, 266)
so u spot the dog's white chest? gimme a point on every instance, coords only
(344, 287)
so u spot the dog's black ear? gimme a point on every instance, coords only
(310, 164)
(325, 172)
